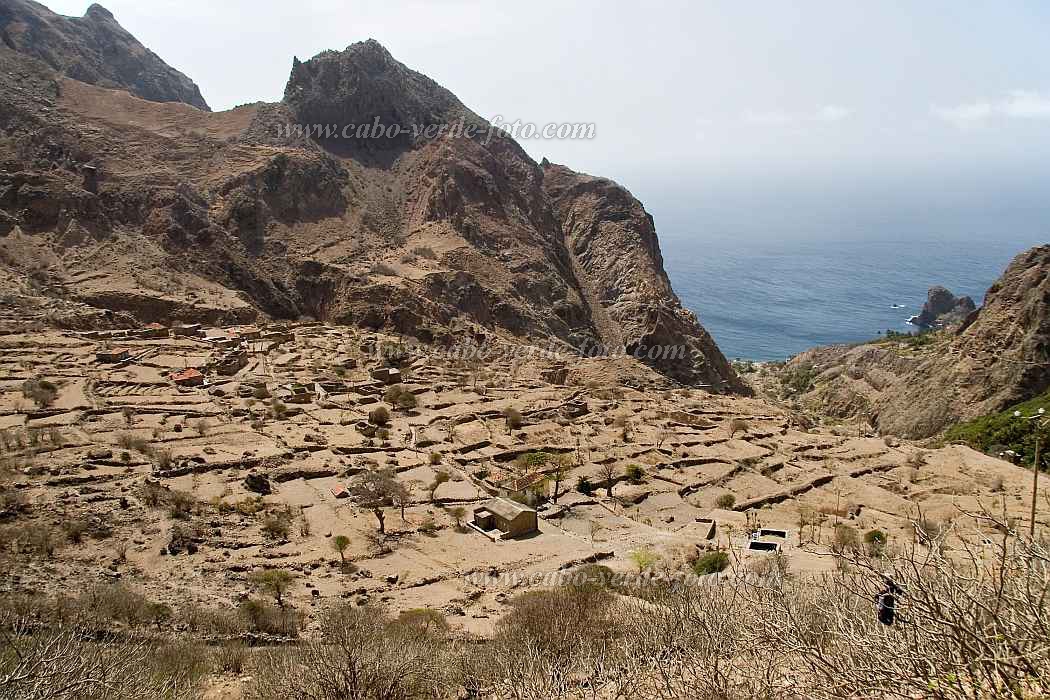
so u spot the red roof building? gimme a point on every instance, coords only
(187, 377)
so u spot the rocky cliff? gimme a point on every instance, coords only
(629, 295)
(168, 212)
(943, 309)
(93, 49)
(918, 387)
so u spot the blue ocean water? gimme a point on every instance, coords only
(769, 299)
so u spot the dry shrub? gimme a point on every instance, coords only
(277, 526)
(40, 391)
(134, 443)
(230, 658)
(68, 662)
(267, 618)
(360, 654)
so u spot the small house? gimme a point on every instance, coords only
(187, 377)
(153, 330)
(528, 488)
(387, 375)
(230, 362)
(189, 329)
(110, 356)
(501, 518)
(299, 393)
(248, 333)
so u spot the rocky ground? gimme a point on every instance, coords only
(139, 481)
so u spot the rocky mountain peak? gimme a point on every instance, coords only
(421, 233)
(96, 11)
(363, 83)
(94, 49)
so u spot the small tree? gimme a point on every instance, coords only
(374, 490)
(440, 477)
(42, 392)
(392, 394)
(402, 497)
(609, 474)
(339, 544)
(275, 582)
(407, 401)
(513, 417)
(562, 467)
(458, 513)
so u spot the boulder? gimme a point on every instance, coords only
(258, 483)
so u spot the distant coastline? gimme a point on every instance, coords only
(770, 300)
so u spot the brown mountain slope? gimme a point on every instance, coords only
(171, 213)
(630, 296)
(999, 357)
(94, 49)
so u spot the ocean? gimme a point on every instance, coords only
(769, 299)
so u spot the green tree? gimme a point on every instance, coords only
(275, 582)
(339, 544)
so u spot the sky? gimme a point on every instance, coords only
(819, 104)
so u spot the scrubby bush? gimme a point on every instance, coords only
(513, 418)
(407, 401)
(134, 443)
(726, 501)
(276, 526)
(75, 530)
(428, 527)
(424, 252)
(180, 503)
(230, 658)
(711, 563)
(423, 619)
(38, 539)
(40, 391)
(798, 380)
(845, 539)
(634, 473)
(379, 416)
(584, 486)
(268, 618)
(875, 540)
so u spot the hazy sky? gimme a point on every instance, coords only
(733, 94)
